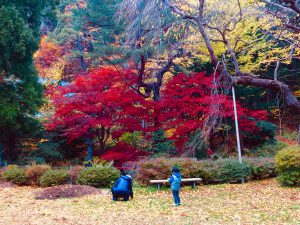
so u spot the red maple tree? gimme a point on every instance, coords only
(98, 105)
(104, 104)
(185, 104)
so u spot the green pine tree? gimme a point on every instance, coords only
(21, 94)
(161, 145)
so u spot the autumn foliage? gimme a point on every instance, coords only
(104, 104)
(99, 104)
(186, 104)
(122, 153)
(48, 55)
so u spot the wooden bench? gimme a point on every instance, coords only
(191, 180)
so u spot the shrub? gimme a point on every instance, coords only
(74, 172)
(53, 178)
(160, 168)
(15, 175)
(288, 166)
(27, 160)
(219, 171)
(290, 135)
(98, 176)
(34, 172)
(96, 161)
(225, 170)
(268, 149)
(264, 132)
(267, 130)
(261, 168)
(211, 169)
(11, 166)
(231, 170)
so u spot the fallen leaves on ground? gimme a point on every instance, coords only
(263, 202)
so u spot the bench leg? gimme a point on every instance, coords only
(194, 184)
(158, 187)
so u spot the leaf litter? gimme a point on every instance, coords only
(260, 202)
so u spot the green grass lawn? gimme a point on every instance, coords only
(263, 202)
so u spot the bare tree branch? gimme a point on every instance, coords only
(274, 85)
(292, 4)
(240, 17)
(280, 7)
(293, 27)
(201, 23)
(283, 59)
(179, 12)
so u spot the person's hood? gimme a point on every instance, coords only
(126, 177)
(175, 169)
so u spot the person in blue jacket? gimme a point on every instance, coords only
(122, 187)
(175, 180)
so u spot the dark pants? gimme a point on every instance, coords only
(120, 194)
(176, 197)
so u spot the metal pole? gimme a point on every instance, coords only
(236, 126)
(237, 129)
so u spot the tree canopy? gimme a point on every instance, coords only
(21, 93)
(162, 68)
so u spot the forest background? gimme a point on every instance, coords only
(124, 80)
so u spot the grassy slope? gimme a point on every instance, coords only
(251, 203)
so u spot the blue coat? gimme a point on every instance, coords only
(123, 184)
(175, 180)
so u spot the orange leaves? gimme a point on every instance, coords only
(49, 60)
(48, 53)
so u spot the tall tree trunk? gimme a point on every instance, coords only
(211, 142)
(12, 154)
(241, 142)
(90, 147)
(102, 135)
(102, 143)
(1, 155)
(90, 151)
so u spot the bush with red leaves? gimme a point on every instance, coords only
(122, 153)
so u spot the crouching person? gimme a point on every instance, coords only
(122, 188)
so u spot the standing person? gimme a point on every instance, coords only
(175, 180)
(122, 187)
